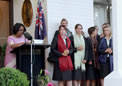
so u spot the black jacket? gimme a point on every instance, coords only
(90, 49)
(54, 48)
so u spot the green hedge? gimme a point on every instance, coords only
(13, 77)
(2, 57)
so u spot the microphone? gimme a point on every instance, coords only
(28, 35)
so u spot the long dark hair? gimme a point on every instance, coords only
(78, 25)
(61, 26)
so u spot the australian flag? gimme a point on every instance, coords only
(40, 28)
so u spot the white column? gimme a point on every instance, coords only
(115, 78)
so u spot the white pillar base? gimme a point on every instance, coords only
(114, 79)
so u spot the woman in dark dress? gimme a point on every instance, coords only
(78, 56)
(106, 54)
(61, 47)
(92, 65)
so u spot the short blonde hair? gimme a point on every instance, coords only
(105, 24)
(64, 20)
(110, 30)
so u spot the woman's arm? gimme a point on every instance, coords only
(54, 47)
(89, 50)
(71, 50)
(56, 33)
(16, 45)
(86, 49)
(72, 44)
(90, 53)
(101, 49)
(11, 43)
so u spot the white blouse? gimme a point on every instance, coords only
(108, 42)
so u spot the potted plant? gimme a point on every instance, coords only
(13, 77)
(44, 79)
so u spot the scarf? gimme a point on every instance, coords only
(95, 53)
(79, 55)
(65, 62)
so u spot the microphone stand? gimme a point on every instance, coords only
(29, 37)
(31, 69)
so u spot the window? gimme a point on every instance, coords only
(102, 13)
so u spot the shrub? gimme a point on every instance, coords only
(2, 56)
(12, 77)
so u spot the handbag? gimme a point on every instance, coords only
(52, 58)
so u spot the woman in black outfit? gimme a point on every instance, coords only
(78, 56)
(92, 66)
(61, 47)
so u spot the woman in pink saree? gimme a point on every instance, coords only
(14, 41)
